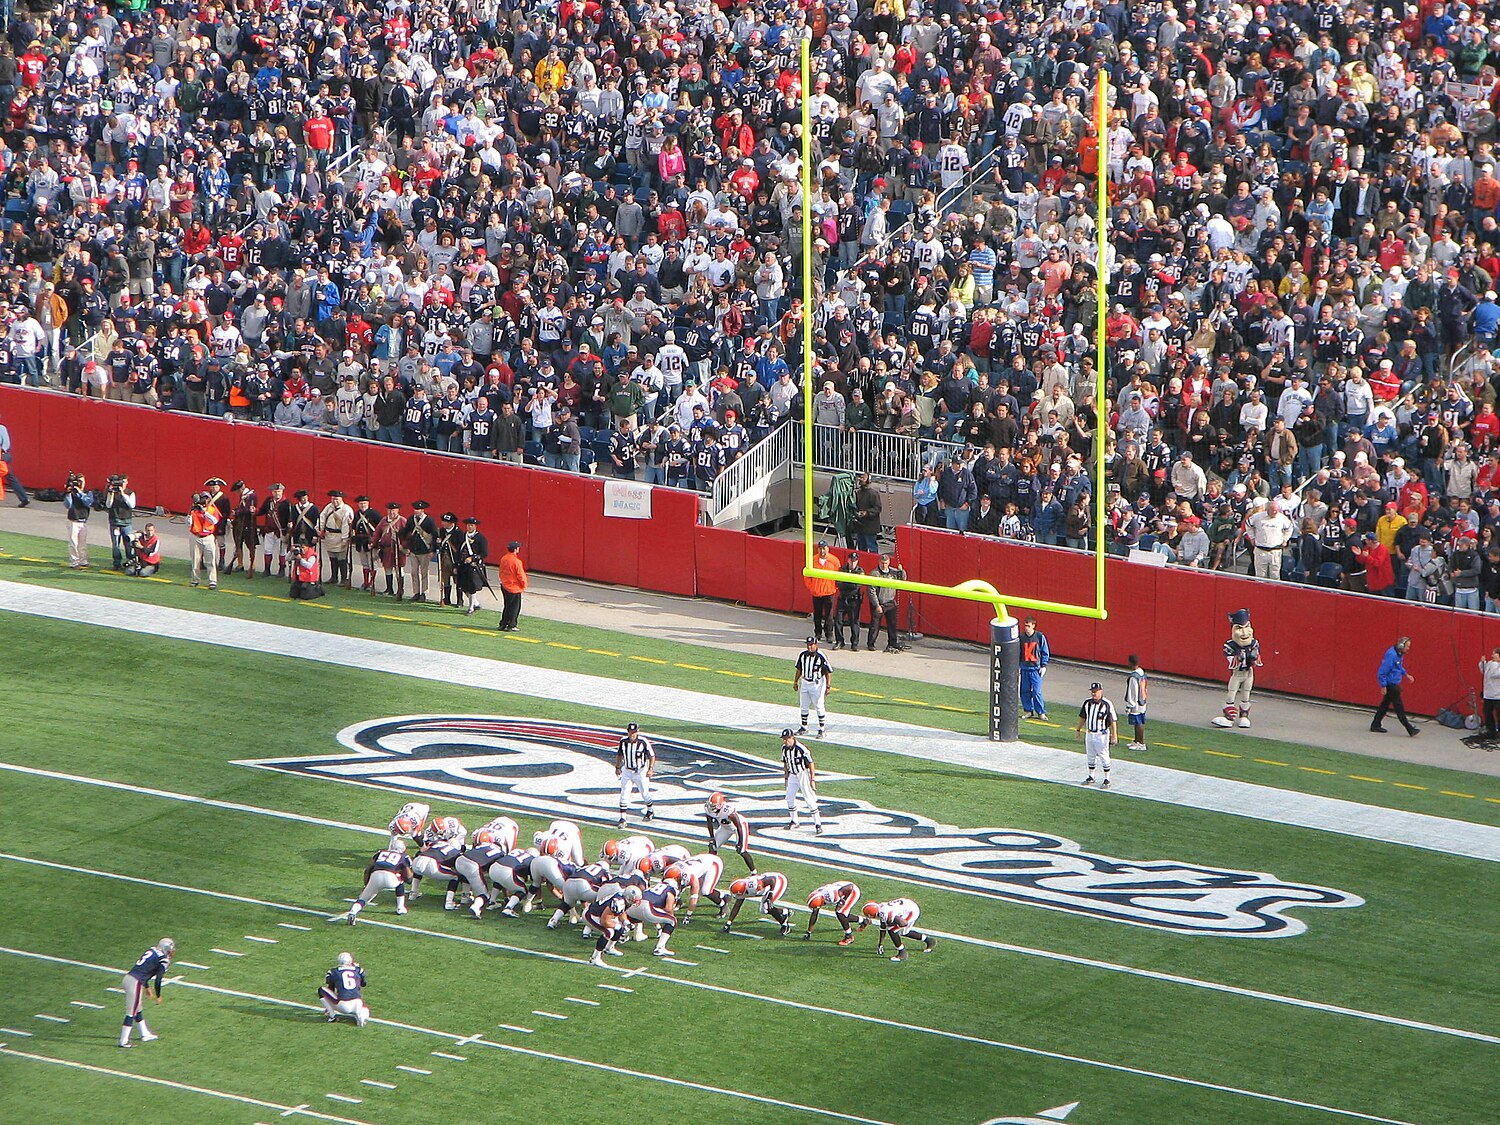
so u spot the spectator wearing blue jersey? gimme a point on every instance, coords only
(145, 978)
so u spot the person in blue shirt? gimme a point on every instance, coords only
(342, 992)
(145, 977)
(1392, 675)
(1035, 656)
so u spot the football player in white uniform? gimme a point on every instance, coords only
(768, 887)
(727, 825)
(838, 897)
(342, 992)
(408, 824)
(389, 870)
(628, 854)
(698, 877)
(563, 839)
(443, 843)
(898, 917)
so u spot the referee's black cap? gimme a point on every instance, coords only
(1096, 686)
(812, 640)
(631, 728)
(788, 733)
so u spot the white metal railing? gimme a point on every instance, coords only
(759, 464)
(877, 452)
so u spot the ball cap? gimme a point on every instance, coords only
(632, 727)
(1096, 686)
(513, 545)
(788, 733)
(812, 640)
(1240, 617)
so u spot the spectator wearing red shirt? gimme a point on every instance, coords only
(1380, 575)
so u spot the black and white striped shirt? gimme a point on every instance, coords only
(812, 667)
(796, 758)
(635, 752)
(1097, 715)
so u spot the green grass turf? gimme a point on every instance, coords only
(1200, 748)
(132, 712)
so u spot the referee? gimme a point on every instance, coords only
(1099, 726)
(799, 773)
(814, 674)
(635, 763)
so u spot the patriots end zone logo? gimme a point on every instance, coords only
(557, 769)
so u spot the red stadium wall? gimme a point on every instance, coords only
(1316, 643)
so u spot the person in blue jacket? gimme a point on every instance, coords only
(1392, 675)
(1035, 656)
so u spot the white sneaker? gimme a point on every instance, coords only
(1245, 722)
(401, 910)
(597, 960)
(662, 953)
(149, 1037)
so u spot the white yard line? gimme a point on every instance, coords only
(86, 1004)
(225, 952)
(1036, 1052)
(191, 965)
(711, 949)
(287, 1111)
(51, 1019)
(678, 961)
(1177, 787)
(413, 1070)
(15, 1031)
(579, 1000)
(262, 940)
(513, 1027)
(1167, 978)
(379, 1085)
(549, 1015)
(345, 1098)
(616, 988)
(289, 926)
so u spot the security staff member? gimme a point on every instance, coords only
(1099, 726)
(798, 772)
(813, 676)
(822, 590)
(201, 524)
(883, 607)
(851, 598)
(1036, 654)
(635, 763)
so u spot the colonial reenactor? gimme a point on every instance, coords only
(362, 540)
(243, 524)
(218, 499)
(390, 545)
(274, 519)
(303, 530)
(448, 535)
(421, 541)
(470, 571)
(334, 526)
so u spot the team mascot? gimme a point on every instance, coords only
(1242, 652)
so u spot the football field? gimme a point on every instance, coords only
(220, 767)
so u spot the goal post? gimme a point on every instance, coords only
(1003, 724)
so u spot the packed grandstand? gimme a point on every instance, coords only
(572, 235)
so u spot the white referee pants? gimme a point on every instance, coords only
(811, 696)
(1097, 748)
(637, 780)
(800, 785)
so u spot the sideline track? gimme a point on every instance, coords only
(1155, 783)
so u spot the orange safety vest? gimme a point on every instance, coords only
(204, 521)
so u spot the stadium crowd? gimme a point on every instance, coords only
(572, 233)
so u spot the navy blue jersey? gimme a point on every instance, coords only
(345, 983)
(484, 854)
(520, 863)
(392, 859)
(445, 853)
(151, 967)
(594, 874)
(612, 904)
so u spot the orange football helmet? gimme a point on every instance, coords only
(815, 902)
(738, 887)
(551, 846)
(610, 850)
(674, 872)
(717, 802)
(872, 910)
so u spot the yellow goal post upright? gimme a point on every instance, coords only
(1004, 631)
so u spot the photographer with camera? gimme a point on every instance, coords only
(78, 505)
(202, 521)
(145, 553)
(119, 506)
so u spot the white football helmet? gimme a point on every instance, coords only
(167, 945)
(344, 960)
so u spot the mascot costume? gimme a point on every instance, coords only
(1242, 651)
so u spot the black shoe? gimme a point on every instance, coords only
(650, 814)
(24, 504)
(1412, 732)
(1376, 730)
(838, 644)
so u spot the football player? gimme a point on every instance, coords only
(658, 907)
(580, 887)
(408, 824)
(726, 825)
(607, 915)
(443, 843)
(698, 877)
(628, 854)
(898, 917)
(838, 897)
(389, 870)
(562, 839)
(664, 857)
(768, 887)
(145, 979)
(488, 846)
(511, 873)
(342, 991)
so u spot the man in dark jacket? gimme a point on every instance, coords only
(867, 515)
(957, 493)
(851, 599)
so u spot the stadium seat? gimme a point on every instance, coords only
(1331, 575)
(586, 460)
(901, 210)
(532, 453)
